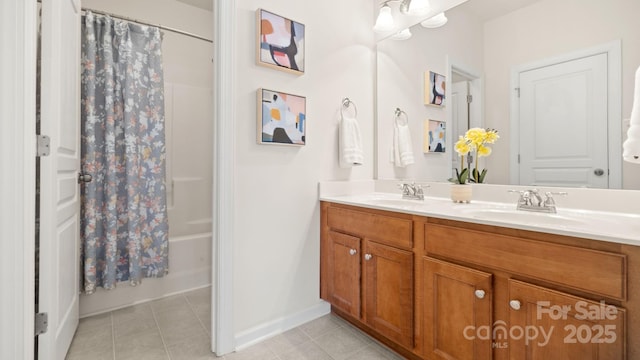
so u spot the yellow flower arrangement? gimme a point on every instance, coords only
(474, 140)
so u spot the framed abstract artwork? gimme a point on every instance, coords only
(435, 86)
(280, 42)
(282, 118)
(435, 136)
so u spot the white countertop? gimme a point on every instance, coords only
(615, 227)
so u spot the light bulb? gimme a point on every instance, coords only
(418, 7)
(435, 22)
(385, 20)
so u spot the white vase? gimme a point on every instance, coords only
(461, 193)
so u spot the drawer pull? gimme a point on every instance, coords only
(515, 304)
(480, 294)
(367, 257)
(352, 252)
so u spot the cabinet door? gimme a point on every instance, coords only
(556, 325)
(388, 289)
(457, 311)
(344, 272)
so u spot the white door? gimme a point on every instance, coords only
(563, 124)
(459, 116)
(60, 195)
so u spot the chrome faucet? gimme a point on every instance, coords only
(531, 200)
(412, 191)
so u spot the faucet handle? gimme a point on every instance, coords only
(549, 196)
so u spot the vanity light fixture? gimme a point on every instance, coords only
(415, 7)
(435, 22)
(402, 35)
(385, 21)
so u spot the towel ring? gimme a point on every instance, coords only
(398, 113)
(345, 105)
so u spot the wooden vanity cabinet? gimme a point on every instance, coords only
(528, 281)
(343, 272)
(582, 330)
(457, 302)
(432, 288)
(367, 270)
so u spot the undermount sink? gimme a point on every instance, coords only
(531, 218)
(396, 202)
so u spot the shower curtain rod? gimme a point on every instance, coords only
(148, 24)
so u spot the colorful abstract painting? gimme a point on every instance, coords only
(282, 118)
(435, 136)
(280, 42)
(435, 88)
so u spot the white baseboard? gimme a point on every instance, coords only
(270, 329)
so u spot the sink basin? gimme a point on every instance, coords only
(396, 202)
(530, 218)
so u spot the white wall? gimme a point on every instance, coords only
(276, 245)
(188, 78)
(401, 66)
(549, 28)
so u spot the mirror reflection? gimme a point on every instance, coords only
(554, 77)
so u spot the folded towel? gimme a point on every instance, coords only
(402, 147)
(350, 143)
(631, 147)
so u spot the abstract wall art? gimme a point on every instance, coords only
(434, 136)
(281, 42)
(434, 88)
(282, 118)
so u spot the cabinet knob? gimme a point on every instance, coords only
(353, 252)
(367, 257)
(515, 304)
(480, 294)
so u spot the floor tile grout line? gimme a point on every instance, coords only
(193, 310)
(155, 320)
(113, 335)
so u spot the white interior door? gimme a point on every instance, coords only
(60, 196)
(563, 124)
(459, 116)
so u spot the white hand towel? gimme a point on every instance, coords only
(350, 143)
(631, 146)
(402, 147)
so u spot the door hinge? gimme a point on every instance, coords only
(518, 158)
(469, 99)
(44, 145)
(518, 91)
(41, 323)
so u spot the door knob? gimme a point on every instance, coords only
(84, 177)
(515, 304)
(367, 257)
(598, 172)
(352, 252)
(480, 294)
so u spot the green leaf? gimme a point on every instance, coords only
(482, 175)
(462, 177)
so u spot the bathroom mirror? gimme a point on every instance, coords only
(482, 43)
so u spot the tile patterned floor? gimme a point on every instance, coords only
(178, 328)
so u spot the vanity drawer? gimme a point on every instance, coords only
(388, 230)
(593, 271)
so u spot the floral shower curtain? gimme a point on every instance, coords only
(124, 225)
